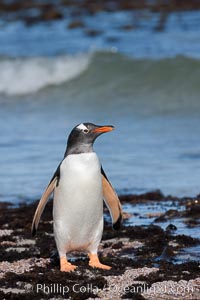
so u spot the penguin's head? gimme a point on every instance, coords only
(83, 136)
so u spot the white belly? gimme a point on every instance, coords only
(78, 203)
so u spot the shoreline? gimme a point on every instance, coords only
(143, 257)
(36, 12)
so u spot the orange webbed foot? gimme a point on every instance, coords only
(95, 263)
(66, 266)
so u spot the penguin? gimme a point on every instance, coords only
(79, 187)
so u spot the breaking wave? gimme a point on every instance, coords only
(103, 70)
(19, 76)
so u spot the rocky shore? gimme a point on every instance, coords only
(144, 258)
(34, 11)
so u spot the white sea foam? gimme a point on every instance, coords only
(28, 75)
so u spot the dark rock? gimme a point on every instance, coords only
(132, 4)
(171, 213)
(171, 228)
(150, 196)
(76, 24)
(117, 245)
(193, 207)
(92, 32)
(185, 241)
(192, 222)
(169, 271)
(93, 7)
(128, 27)
(51, 14)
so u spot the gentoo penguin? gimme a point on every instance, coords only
(79, 186)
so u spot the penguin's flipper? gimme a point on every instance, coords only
(112, 201)
(43, 201)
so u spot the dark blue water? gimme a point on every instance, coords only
(144, 82)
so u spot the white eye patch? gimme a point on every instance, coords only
(82, 127)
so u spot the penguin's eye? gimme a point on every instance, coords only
(86, 131)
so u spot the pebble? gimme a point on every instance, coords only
(21, 266)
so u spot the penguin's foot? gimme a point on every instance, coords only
(95, 263)
(66, 266)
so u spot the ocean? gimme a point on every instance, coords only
(144, 82)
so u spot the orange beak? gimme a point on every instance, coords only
(103, 129)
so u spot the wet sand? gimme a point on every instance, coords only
(143, 257)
